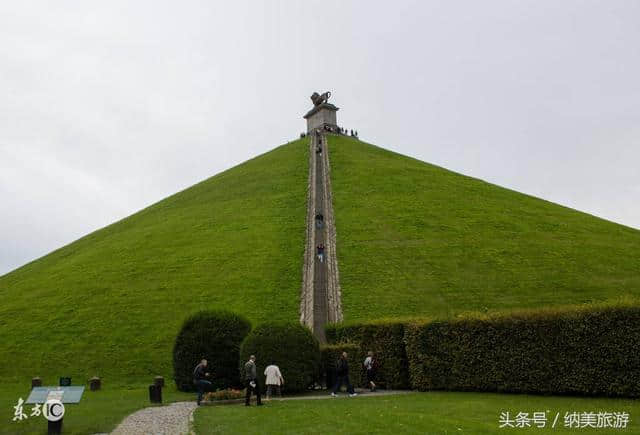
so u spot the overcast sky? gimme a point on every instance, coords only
(107, 107)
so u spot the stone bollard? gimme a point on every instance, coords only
(159, 381)
(36, 382)
(95, 383)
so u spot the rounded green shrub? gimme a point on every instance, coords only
(215, 336)
(290, 346)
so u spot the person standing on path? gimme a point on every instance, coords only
(371, 365)
(274, 380)
(199, 379)
(342, 375)
(320, 249)
(251, 380)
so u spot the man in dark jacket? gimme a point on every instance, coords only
(251, 381)
(199, 379)
(342, 375)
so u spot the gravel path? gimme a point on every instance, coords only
(172, 419)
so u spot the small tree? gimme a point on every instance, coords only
(215, 336)
(290, 346)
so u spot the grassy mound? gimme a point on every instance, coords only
(416, 239)
(413, 240)
(112, 302)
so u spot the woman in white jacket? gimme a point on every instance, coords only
(274, 380)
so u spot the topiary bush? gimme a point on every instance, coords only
(590, 351)
(215, 336)
(329, 357)
(290, 346)
(386, 339)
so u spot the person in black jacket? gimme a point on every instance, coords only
(342, 375)
(251, 380)
(199, 379)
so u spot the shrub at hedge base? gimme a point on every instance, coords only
(290, 346)
(330, 355)
(590, 351)
(386, 340)
(215, 336)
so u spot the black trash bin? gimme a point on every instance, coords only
(155, 393)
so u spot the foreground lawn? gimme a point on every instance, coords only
(418, 240)
(419, 413)
(97, 412)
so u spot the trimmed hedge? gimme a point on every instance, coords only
(329, 358)
(290, 346)
(215, 336)
(590, 351)
(386, 340)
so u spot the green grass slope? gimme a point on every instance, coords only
(111, 303)
(418, 240)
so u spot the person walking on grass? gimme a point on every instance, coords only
(342, 376)
(371, 365)
(274, 380)
(251, 381)
(200, 376)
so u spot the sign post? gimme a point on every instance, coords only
(52, 400)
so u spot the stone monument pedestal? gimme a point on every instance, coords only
(320, 116)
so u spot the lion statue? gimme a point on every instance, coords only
(320, 99)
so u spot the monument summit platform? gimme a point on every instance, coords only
(323, 113)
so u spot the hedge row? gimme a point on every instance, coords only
(591, 350)
(329, 358)
(594, 351)
(291, 346)
(386, 340)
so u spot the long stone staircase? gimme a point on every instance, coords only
(320, 300)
